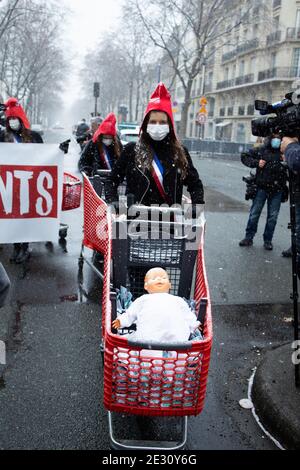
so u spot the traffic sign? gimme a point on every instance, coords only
(201, 118)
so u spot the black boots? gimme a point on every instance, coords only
(20, 254)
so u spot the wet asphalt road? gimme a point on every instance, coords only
(51, 386)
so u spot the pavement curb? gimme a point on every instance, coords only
(276, 399)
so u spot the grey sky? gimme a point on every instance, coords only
(89, 21)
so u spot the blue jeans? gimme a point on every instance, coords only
(274, 202)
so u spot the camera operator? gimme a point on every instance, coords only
(270, 180)
(290, 148)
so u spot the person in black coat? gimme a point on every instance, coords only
(156, 167)
(271, 178)
(4, 285)
(18, 130)
(103, 150)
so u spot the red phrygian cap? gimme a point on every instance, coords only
(15, 110)
(108, 126)
(160, 101)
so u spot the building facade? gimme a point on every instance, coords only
(261, 60)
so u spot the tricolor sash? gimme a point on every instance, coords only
(158, 176)
(105, 159)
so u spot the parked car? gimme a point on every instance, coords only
(37, 128)
(129, 135)
(57, 125)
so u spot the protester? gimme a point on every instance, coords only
(18, 130)
(82, 128)
(4, 285)
(271, 188)
(103, 150)
(95, 123)
(157, 167)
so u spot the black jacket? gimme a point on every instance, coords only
(292, 156)
(90, 160)
(35, 137)
(4, 285)
(273, 176)
(142, 185)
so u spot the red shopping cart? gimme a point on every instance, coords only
(158, 380)
(71, 199)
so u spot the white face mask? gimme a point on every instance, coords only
(107, 142)
(158, 131)
(14, 124)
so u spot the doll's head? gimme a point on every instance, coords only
(157, 281)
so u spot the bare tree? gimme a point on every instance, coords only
(185, 32)
(31, 60)
(8, 16)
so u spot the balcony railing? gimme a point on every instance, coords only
(293, 34)
(279, 72)
(243, 80)
(228, 55)
(273, 38)
(248, 46)
(241, 49)
(225, 84)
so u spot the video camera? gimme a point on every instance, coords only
(287, 119)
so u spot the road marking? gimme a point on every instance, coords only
(251, 380)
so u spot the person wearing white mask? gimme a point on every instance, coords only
(103, 150)
(270, 187)
(18, 130)
(157, 167)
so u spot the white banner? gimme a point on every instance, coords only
(31, 182)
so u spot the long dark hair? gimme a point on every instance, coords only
(116, 144)
(144, 152)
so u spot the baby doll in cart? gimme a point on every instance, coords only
(159, 317)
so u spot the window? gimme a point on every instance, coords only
(296, 62)
(240, 133)
(273, 60)
(252, 65)
(226, 73)
(242, 68)
(276, 22)
(298, 19)
(233, 71)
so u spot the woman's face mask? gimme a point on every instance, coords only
(158, 131)
(14, 124)
(275, 143)
(107, 142)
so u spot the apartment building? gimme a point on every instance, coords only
(260, 61)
